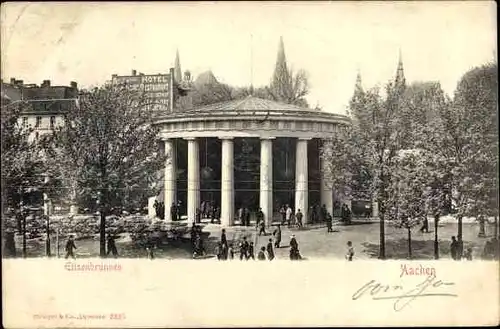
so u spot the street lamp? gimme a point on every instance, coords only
(46, 213)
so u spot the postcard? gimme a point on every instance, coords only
(235, 164)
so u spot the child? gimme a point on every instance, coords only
(262, 254)
(350, 251)
(149, 250)
(218, 251)
(468, 254)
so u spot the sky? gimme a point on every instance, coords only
(332, 41)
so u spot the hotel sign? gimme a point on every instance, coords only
(157, 88)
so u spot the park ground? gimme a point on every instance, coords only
(314, 242)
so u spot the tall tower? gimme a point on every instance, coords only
(400, 81)
(281, 77)
(177, 69)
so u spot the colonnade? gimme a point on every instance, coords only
(227, 179)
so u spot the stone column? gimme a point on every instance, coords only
(227, 182)
(170, 176)
(301, 179)
(326, 190)
(266, 179)
(193, 194)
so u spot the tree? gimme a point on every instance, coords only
(368, 149)
(22, 164)
(467, 139)
(406, 202)
(107, 150)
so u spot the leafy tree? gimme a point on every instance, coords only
(22, 163)
(406, 202)
(368, 149)
(107, 150)
(467, 138)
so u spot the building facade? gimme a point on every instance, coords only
(44, 105)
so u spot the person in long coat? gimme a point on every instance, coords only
(270, 251)
(70, 247)
(277, 236)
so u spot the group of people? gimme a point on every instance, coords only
(290, 218)
(246, 249)
(208, 209)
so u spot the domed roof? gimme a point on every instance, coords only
(250, 108)
(249, 104)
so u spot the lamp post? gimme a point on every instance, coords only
(46, 213)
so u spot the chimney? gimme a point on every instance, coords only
(134, 72)
(46, 83)
(73, 85)
(12, 81)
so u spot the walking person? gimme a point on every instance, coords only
(294, 249)
(262, 254)
(244, 249)
(262, 228)
(223, 241)
(289, 214)
(298, 217)
(270, 251)
(231, 252)
(277, 236)
(454, 248)
(425, 226)
(282, 212)
(468, 254)
(350, 251)
(112, 246)
(329, 222)
(218, 251)
(260, 217)
(70, 246)
(251, 251)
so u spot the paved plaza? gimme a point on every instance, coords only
(314, 242)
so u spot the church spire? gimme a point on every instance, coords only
(281, 77)
(177, 69)
(400, 75)
(358, 87)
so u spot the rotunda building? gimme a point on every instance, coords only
(250, 152)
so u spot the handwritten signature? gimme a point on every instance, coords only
(430, 287)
